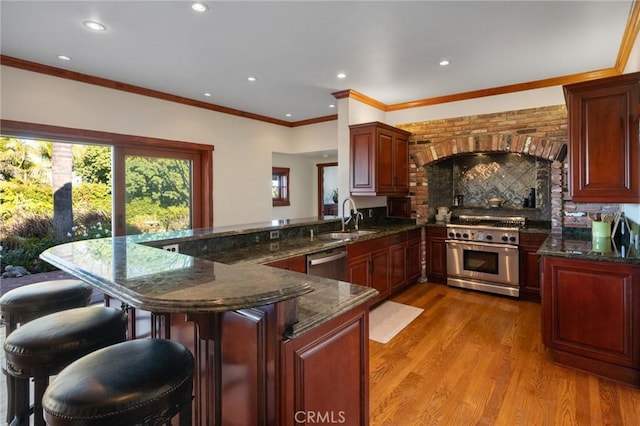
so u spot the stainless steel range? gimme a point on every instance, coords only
(482, 253)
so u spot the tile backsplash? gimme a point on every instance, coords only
(481, 177)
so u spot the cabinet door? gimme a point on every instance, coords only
(401, 163)
(380, 274)
(358, 270)
(363, 146)
(530, 265)
(414, 266)
(398, 270)
(385, 169)
(326, 373)
(603, 140)
(436, 253)
(592, 309)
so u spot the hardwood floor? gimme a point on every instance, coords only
(478, 359)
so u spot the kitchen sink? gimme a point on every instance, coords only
(350, 235)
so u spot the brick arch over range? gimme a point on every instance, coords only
(425, 153)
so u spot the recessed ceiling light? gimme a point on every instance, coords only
(444, 62)
(95, 26)
(199, 7)
(252, 79)
(207, 94)
(332, 106)
(289, 115)
(64, 58)
(341, 75)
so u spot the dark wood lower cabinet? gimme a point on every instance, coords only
(321, 384)
(530, 265)
(591, 316)
(436, 253)
(414, 255)
(387, 264)
(397, 266)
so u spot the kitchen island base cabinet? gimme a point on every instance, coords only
(249, 355)
(591, 313)
(268, 379)
(323, 386)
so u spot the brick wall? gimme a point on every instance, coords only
(540, 132)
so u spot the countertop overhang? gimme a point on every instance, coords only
(160, 281)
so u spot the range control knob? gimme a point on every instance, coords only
(489, 237)
(512, 238)
(504, 238)
(465, 235)
(457, 235)
(451, 234)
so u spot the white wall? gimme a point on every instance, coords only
(243, 148)
(302, 187)
(486, 105)
(313, 138)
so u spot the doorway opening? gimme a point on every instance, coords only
(327, 189)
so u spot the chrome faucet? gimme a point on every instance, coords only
(358, 215)
(355, 209)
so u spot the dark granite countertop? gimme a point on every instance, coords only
(160, 281)
(289, 247)
(577, 246)
(230, 231)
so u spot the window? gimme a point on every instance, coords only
(194, 160)
(280, 186)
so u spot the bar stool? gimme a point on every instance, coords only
(145, 381)
(44, 346)
(31, 301)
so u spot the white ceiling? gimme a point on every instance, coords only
(389, 50)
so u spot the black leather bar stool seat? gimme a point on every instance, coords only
(137, 382)
(26, 303)
(31, 301)
(44, 346)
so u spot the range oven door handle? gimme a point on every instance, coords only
(481, 244)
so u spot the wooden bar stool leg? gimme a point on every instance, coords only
(21, 407)
(40, 383)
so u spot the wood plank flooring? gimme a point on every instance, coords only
(477, 359)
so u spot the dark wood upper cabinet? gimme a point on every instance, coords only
(379, 159)
(603, 139)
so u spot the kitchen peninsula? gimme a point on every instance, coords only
(268, 343)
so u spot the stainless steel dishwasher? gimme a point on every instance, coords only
(328, 264)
